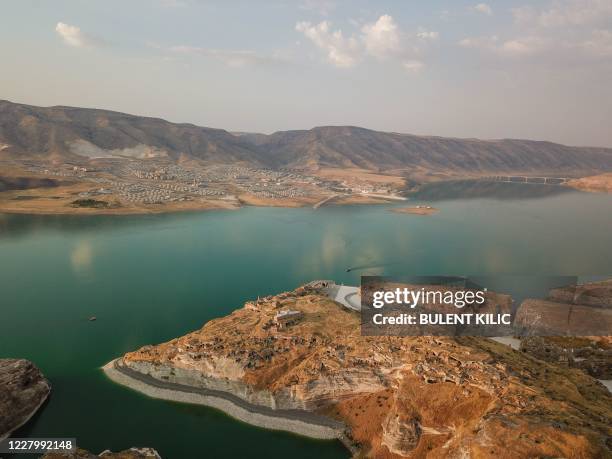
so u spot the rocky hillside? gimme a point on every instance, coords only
(348, 146)
(398, 397)
(23, 389)
(66, 132)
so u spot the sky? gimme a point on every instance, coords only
(501, 69)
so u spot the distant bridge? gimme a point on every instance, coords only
(525, 179)
(326, 200)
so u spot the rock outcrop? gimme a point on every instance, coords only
(575, 321)
(132, 453)
(591, 355)
(23, 389)
(399, 397)
(550, 318)
(595, 294)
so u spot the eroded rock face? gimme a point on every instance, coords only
(583, 312)
(23, 389)
(400, 397)
(401, 429)
(552, 318)
(596, 294)
(132, 453)
(592, 355)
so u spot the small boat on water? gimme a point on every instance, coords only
(92, 318)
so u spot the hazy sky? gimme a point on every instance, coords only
(520, 69)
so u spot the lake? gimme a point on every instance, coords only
(149, 279)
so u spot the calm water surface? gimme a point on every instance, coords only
(152, 278)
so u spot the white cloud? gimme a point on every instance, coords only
(524, 46)
(564, 31)
(524, 14)
(323, 7)
(599, 44)
(444, 15)
(173, 3)
(516, 47)
(381, 38)
(73, 36)
(489, 43)
(231, 58)
(341, 51)
(428, 35)
(413, 66)
(483, 8)
(566, 13)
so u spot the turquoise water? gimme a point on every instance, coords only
(151, 278)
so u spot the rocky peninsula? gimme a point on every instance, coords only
(23, 390)
(389, 397)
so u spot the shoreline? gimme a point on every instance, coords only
(298, 422)
(27, 419)
(57, 200)
(114, 212)
(127, 211)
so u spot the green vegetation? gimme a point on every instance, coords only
(91, 203)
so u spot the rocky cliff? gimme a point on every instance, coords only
(398, 397)
(584, 312)
(23, 389)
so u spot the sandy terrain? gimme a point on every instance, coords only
(250, 200)
(595, 183)
(360, 174)
(59, 200)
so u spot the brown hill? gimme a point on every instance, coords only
(357, 147)
(66, 132)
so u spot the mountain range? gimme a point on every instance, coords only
(67, 133)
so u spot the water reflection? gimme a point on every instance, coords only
(21, 225)
(81, 257)
(475, 189)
